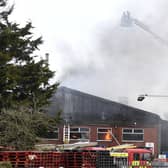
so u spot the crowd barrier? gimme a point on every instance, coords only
(64, 159)
(53, 159)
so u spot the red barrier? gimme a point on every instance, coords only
(55, 159)
(89, 159)
(46, 159)
(66, 159)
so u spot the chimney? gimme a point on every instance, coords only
(47, 58)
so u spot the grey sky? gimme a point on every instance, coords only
(91, 52)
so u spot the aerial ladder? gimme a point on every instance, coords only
(143, 96)
(127, 21)
(66, 134)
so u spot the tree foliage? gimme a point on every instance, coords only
(16, 131)
(24, 84)
(24, 80)
(20, 130)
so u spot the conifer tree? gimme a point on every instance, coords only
(25, 87)
(24, 81)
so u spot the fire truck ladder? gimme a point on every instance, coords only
(127, 20)
(66, 134)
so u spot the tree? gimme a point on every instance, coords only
(20, 130)
(24, 80)
(25, 86)
(16, 130)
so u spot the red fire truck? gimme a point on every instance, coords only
(133, 158)
(123, 156)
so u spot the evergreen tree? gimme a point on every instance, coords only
(24, 81)
(24, 84)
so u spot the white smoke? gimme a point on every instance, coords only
(115, 61)
(92, 53)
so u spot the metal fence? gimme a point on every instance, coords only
(67, 159)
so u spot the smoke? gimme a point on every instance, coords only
(113, 61)
(137, 64)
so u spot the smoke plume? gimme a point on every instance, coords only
(113, 61)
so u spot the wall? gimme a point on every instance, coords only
(150, 135)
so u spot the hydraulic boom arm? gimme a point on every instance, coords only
(127, 21)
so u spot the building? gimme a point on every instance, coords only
(164, 136)
(109, 123)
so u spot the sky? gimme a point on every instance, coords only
(91, 52)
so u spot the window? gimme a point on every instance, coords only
(52, 133)
(146, 156)
(104, 134)
(133, 134)
(136, 156)
(79, 133)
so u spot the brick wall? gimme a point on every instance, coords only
(150, 135)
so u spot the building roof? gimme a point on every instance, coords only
(82, 108)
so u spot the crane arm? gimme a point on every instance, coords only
(127, 20)
(142, 97)
(147, 29)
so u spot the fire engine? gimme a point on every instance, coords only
(133, 158)
(123, 156)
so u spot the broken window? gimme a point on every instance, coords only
(79, 133)
(104, 134)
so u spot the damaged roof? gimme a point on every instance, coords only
(82, 108)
